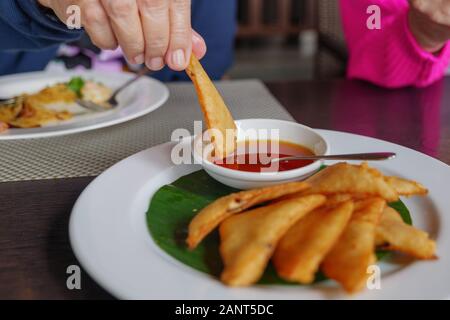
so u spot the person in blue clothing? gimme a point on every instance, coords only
(160, 33)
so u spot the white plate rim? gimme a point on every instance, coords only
(46, 76)
(398, 287)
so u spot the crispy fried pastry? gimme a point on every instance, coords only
(302, 249)
(406, 187)
(211, 216)
(248, 240)
(353, 179)
(353, 253)
(396, 235)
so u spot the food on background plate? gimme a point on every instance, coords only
(3, 126)
(219, 121)
(96, 92)
(331, 225)
(52, 104)
(248, 240)
(256, 160)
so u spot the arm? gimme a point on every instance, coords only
(215, 21)
(25, 26)
(392, 56)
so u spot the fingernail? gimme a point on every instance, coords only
(178, 58)
(139, 59)
(156, 64)
(196, 39)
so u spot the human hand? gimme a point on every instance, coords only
(429, 21)
(154, 32)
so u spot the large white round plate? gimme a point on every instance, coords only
(109, 235)
(142, 97)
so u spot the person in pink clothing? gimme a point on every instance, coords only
(411, 47)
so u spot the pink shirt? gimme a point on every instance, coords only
(390, 56)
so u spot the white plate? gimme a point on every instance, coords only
(109, 235)
(144, 96)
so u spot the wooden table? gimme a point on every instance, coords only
(34, 245)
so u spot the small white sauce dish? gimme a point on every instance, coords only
(288, 131)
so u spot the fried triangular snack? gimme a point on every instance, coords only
(212, 215)
(406, 187)
(352, 179)
(388, 214)
(247, 240)
(302, 249)
(353, 253)
(396, 235)
(218, 118)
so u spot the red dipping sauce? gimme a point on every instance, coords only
(251, 161)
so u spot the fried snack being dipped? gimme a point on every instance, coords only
(212, 215)
(394, 234)
(248, 240)
(218, 118)
(302, 249)
(354, 251)
(353, 179)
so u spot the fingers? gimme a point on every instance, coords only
(198, 45)
(430, 35)
(126, 24)
(156, 25)
(437, 11)
(156, 32)
(180, 43)
(96, 23)
(93, 18)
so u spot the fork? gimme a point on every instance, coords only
(113, 100)
(7, 101)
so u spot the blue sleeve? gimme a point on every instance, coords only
(215, 20)
(25, 26)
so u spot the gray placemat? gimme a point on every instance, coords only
(90, 153)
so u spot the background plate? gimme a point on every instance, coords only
(144, 96)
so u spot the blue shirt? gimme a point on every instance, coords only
(29, 38)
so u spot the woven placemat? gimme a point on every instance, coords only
(90, 153)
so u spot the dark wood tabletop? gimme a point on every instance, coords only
(34, 246)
